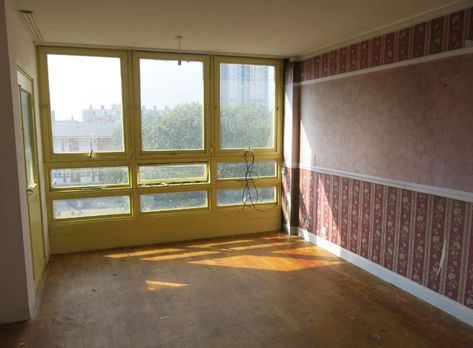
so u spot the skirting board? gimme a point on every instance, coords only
(290, 230)
(445, 304)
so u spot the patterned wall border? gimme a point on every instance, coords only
(438, 35)
(432, 190)
(424, 238)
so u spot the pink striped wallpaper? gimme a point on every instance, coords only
(438, 35)
(401, 230)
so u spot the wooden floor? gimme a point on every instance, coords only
(253, 291)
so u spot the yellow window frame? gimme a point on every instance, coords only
(276, 175)
(278, 107)
(133, 156)
(181, 181)
(76, 165)
(47, 133)
(185, 153)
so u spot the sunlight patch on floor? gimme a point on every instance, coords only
(179, 256)
(267, 263)
(216, 244)
(142, 253)
(305, 251)
(258, 246)
(153, 285)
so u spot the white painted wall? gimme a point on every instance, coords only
(17, 294)
(14, 304)
(23, 54)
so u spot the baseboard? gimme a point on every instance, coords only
(21, 314)
(443, 303)
(290, 230)
(286, 228)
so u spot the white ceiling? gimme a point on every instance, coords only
(259, 27)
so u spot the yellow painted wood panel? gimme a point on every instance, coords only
(81, 236)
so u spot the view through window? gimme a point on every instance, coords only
(177, 159)
(247, 106)
(86, 104)
(172, 101)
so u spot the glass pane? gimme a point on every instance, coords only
(86, 104)
(173, 200)
(239, 196)
(27, 137)
(172, 173)
(87, 177)
(97, 206)
(172, 98)
(247, 106)
(237, 170)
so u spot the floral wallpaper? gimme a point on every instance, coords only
(404, 231)
(437, 35)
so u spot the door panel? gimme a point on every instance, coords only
(32, 183)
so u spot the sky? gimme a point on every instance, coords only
(167, 83)
(77, 82)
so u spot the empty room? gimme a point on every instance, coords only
(252, 173)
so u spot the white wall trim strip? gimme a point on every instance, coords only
(395, 26)
(453, 53)
(445, 304)
(286, 228)
(289, 164)
(432, 190)
(290, 230)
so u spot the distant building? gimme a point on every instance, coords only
(77, 136)
(84, 176)
(99, 131)
(154, 112)
(113, 114)
(241, 84)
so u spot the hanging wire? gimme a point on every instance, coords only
(250, 184)
(179, 38)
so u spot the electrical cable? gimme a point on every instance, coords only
(250, 184)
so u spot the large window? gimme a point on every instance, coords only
(242, 170)
(88, 177)
(89, 207)
(133, 135)
(247, 106)
(172, 173)
(172, 105)
(86, 104)
(28, 138)
(248, 196)
(173, 201)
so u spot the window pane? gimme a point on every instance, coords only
(239, 196)
(88, 177)
(247, 103)
(86, 104)
(27, 137)
(172, 98)
(174, 200)
(237, 170)
(97, 206)
(172, 173)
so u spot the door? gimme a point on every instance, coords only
(32, 188)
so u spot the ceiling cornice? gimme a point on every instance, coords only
(158, 50)
(400, 24)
